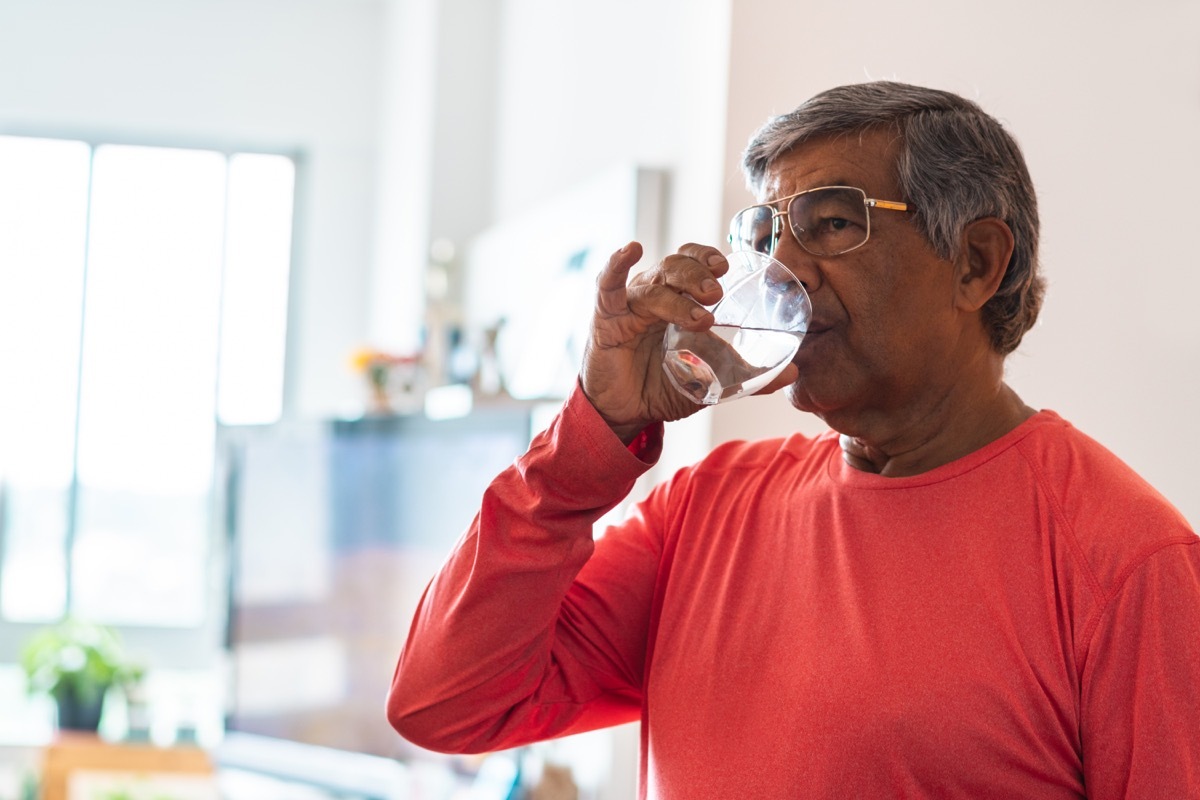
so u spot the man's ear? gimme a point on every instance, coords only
(987, 248)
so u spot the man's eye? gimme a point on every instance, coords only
(833, 225)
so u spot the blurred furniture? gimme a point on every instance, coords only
(335, 529)
(309, 771)
(73, 760)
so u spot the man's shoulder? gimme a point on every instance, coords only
(1111, 510)
(1083, 470)
(751, 454)
(739, 467)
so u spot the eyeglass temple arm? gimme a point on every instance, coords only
(889, 205)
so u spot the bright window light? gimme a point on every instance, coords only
(143, 298)
(147, 399)
(255, 291)
(43, 215)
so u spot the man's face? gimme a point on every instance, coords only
(885, 337)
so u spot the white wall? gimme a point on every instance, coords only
(293, 75)
(407, 104)
(1105, 101)
(586, 86)
(436, 154)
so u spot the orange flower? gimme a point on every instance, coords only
(366, 359)
(362, 358)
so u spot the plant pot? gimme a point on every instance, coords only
(79, 711)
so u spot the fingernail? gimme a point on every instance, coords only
(698, 313)
(713, 260)
(709, 285)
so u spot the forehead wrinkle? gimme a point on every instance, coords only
(855, 152)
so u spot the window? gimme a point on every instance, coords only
(143, 298)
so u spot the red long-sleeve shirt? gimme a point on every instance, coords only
(1022, 622)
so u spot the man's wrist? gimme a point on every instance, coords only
(642, 440)
(628, 434)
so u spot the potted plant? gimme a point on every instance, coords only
(76, 663)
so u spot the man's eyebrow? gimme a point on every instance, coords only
(823, 185)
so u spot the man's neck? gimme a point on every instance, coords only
(959, 421)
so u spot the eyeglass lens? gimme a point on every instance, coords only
(825, 221)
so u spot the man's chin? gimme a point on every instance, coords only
(800, 398)
(803, 396)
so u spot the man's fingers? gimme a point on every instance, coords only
(710, 257)
(657, 302)
(675, 291)
(610, 284)
(789, 375)
(685, 275)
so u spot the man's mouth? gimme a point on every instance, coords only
(811, 336)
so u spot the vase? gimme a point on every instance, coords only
(79, 711)
(380, 401)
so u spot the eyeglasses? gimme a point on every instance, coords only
(827, 221)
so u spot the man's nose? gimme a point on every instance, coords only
(802, 263)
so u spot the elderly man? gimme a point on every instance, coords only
(958, 596)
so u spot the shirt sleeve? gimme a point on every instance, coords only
(531, 629)
(1141, 684)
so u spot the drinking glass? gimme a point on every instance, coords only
(758, 325)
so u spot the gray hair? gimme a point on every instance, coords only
(956, 164)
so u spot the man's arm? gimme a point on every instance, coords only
(524, 633)
(511, 643)
(1141, 682)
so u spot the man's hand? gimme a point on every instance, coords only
(622, 371)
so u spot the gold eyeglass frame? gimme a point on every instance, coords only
(776, 217)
